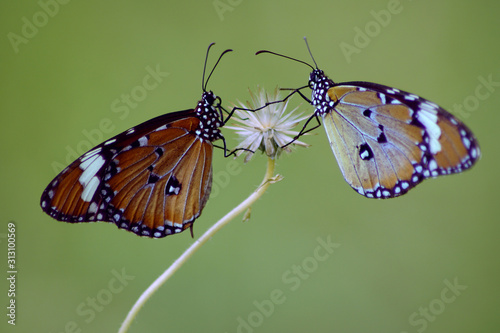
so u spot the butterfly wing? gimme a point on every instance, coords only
(153, 179)
(387, 141)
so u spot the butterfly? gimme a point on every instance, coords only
(153, 179)
(386, 141)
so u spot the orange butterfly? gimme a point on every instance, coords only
(385, 140)
(153, 179)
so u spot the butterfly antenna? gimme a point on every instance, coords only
(284, 56)
(206, 83)
(205, 67)
(308, 49)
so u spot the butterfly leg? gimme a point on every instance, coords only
(232, 152)
(297, 90)
(303, 130)
(294, 91)
(191, 230)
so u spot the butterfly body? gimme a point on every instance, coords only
(386, 140)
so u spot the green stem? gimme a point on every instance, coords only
(197, 244)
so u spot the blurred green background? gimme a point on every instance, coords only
(427, 261)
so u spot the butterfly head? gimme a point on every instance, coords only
(208, 98)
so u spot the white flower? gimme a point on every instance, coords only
(268, 129)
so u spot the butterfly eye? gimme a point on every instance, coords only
(313, 77)
(209, 97)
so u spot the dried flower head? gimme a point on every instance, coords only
(268, 129)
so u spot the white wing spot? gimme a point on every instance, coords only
(174, 190)
(89, 189)
(91, 153)
(433, 165)
(382, 98)
(364, 154)
(109, 142)
(429, 107)
(466, 142)
(411, 97)
(93, 208)
(429, 120)
(143, 141)
(161, 128)
(90, 168)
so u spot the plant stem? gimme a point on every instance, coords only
(197, 244)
